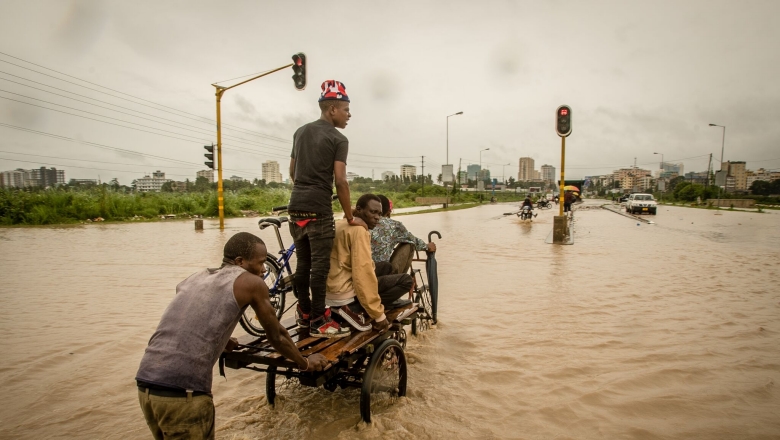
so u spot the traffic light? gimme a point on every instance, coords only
(299, 70)
(209, 155)
(563, 121)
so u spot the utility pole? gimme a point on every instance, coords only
(709, 164)
(422, 166)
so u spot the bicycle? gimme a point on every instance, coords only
(278, 276)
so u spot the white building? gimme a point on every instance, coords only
(351, 176)
(208, 174)
(408, 171)
(151, 184)
(548, 173)
(12, 179)
(387, 175)
(525, 171)
(271, 172)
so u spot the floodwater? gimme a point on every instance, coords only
(637, 331)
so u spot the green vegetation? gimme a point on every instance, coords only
(111, 202)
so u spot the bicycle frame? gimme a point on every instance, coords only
(283, 283)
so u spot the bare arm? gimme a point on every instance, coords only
(250, 289)
(292, 170)
(342, 187)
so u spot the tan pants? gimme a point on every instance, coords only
(401, 260)
(173, 418)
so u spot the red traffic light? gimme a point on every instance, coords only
(563, 121)
(299, 70)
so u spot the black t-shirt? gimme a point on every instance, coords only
(316, 146)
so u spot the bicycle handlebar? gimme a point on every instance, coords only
(433, 232)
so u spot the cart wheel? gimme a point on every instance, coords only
(385, 377)
(270, 385)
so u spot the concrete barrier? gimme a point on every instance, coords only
(728, 203)
(433, 201)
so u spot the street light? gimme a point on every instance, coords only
(503, 176)
(480, 158)
(722, 146)
(448, 136)
(662, 160)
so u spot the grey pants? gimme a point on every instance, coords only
(173, 418)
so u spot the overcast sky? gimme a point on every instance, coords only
(641, 77)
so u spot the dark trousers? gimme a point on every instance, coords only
(313, 244)
(401, 260)
(391, 286)
(566, 206)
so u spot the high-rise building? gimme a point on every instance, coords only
(548, 173)
(525, 170)
(483, 175)
(12, 179)
(463, 177)
(271, 172)
(408, 171)
(471, 171)
(208, 174)
(738, 172)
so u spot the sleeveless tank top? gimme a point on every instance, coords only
(193, 331)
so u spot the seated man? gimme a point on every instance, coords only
(354, 275)
(391, 242)
(527, 202)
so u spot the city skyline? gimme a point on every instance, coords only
(633, 91)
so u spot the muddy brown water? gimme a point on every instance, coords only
(636, 331)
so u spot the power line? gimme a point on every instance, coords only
(198, 118)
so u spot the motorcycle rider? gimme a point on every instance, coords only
(530, 204)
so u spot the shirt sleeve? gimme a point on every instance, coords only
(363, 276)
(342, 148)
(402, 235)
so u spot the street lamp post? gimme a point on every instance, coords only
(503, 176)
(480, 158)
(661, 173)
(662, 160)
(722, 146)
(448, 136)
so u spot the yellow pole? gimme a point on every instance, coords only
(220, 198)
(563, 182)
(220, 91)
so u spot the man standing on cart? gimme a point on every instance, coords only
(319, 156)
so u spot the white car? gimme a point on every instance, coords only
(641, 203)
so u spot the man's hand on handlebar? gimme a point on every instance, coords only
(431, 247)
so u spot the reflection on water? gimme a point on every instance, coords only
(636, 331)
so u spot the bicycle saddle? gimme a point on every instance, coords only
(268, 221)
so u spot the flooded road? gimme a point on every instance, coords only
(636, 331)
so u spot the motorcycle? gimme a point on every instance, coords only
(526, 213)
(543, 204)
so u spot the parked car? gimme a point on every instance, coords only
(640, 203)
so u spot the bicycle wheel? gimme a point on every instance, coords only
(424, 311)
(248, 319)
(385, 378)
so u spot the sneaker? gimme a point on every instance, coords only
(325, 327)
(359, 320)
(301, 318)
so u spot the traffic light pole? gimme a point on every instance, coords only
(563, 181)
(220, 91)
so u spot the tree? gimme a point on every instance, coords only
(167, 187)
(761, 188)
(202, 184)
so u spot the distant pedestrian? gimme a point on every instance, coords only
(568, 198)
